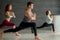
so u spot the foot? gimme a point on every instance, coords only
(14, 27)
(1, 34)
(37, 38)
(53, 30)
(56, 33)
(18, 34)
(32, 32)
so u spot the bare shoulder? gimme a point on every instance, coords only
(6, 12)
(26, 12)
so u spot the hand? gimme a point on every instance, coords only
(33, 18)
(52, 18)
(34, 14)
(14, 16)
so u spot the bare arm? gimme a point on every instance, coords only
(34, 15)
(7, 14)
(10, 14)
(14, 15)
(51, 18)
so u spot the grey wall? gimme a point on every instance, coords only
(40, 7)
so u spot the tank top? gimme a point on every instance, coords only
(26, 19)
(48, 20)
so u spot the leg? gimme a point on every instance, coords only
(32, 30)
(42, 26)
(20, 27)
(10, 24)
(53, 27)
(24, 25)
(33, 26)
(7, 23)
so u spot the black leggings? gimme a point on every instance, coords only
(24, 25)
(45, 25)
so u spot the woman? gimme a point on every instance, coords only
(28, 21)
(9, 15)
(49, 21)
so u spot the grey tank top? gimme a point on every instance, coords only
(26, 19)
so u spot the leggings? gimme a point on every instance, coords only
(6, 23)
(45, 24)
(22, 26)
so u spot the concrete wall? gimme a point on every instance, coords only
(40, 7)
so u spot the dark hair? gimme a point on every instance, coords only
(7, 7)
(47, 12)
(29, 3)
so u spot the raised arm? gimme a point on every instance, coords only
(8, 14)
(14, 15)
(51, 18)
